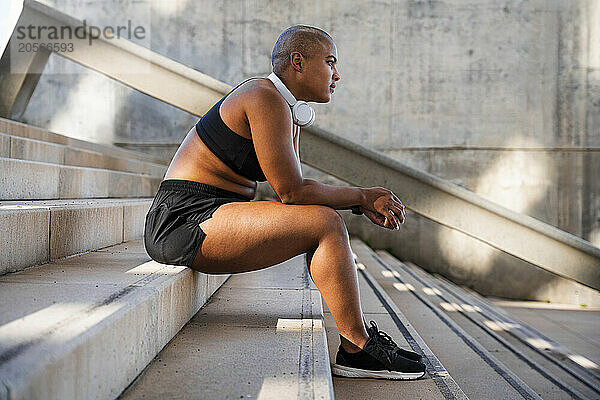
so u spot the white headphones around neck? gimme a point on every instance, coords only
(302, 113)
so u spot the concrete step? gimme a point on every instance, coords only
(37, 150)
(377, 305)
(86, 326)
(260, 336)
(15, 128)
(526, 369)
(476, 370)
(36, 232)
(572, 373)
(570, 330)
(31, 180)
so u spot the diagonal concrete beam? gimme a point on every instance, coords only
(20, 72)
(447, 204)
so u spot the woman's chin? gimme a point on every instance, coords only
(324, 99)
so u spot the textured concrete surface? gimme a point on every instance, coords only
(24, 238)
(28, 180)
(86, 327)
(432, 83)
(98, 268)
(476, 378)
(36, 150)
(133, 246)
(82, 182)
(35, 232)
(125, 184)
(4, 145)
(245, 343)
(134, 217)
(533, 367)
(163, 151)
(509, 329)
(553, 186)
(30, 131)
(270, 278)
(74, 230)
(575, 328)
(21, 179)
(86, 158)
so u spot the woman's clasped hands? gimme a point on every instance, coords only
(383, 207)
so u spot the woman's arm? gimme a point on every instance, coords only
(278, 157)
(318, 190)
(338, 197)
(330, 195)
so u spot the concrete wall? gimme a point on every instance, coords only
(501, 97)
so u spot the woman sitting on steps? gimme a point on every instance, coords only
(202, 216)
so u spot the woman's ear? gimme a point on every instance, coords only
(297, 61)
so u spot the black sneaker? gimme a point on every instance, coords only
(376, 360)
(387, 341)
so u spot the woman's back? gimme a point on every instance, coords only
(210, 153)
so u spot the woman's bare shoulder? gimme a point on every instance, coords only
(260, 92)
(253, 105)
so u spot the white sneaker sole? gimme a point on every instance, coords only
(349, 372)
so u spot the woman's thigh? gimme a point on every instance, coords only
(246, 236)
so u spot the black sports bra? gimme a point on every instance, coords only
(236, 151)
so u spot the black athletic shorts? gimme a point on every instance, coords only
(172, 233)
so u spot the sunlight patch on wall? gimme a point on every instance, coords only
(455, 247)
(517, 179)
(89, 111)
(169, 8)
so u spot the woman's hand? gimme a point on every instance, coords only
(383, 208)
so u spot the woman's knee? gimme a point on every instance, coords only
(329, 221)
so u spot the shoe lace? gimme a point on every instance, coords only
(382, 337)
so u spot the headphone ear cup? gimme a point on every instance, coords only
(312, 118)
(303, 114)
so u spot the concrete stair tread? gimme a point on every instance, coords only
(27, 205)
(20, 179)
(259, 336)
(568, 329)
(36, 150)
(24, 162)
(20, 129)
(507, 323)
(44, 230)
(570, 373)
(87, 332)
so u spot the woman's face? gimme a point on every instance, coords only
(320, 74)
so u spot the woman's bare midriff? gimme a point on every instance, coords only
(195, 162)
